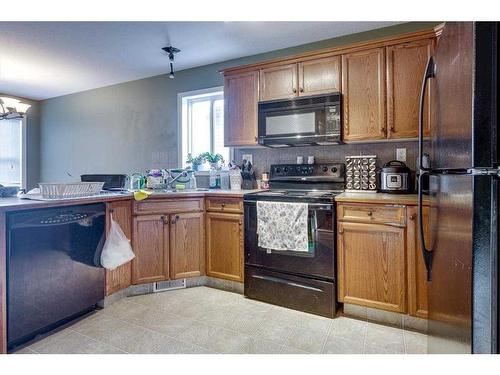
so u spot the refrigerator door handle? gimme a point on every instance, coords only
(430, 72)
(426, 253)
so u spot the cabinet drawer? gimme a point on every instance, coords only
(377, 214)
(166, 206)
(225, 204)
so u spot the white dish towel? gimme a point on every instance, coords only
(282, 226)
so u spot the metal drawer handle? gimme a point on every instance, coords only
(283, 281)
(294, 90)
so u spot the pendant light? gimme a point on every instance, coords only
(11, 108)
(171, 51)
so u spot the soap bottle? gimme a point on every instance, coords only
(212, 184)
(192, 181)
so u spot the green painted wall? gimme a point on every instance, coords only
(133, 126)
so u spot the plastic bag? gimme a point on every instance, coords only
(117, 249)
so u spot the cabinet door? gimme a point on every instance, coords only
(363, 88)
(405, 68)
(241, 94)
(187, 245)
(121, 277)
(150, 244)
(371, 266)
(225, 246)
(279, 82)
(319, 76)
(417, 275)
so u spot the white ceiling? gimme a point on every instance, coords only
(40, 60)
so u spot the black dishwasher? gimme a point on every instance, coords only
(53, 268)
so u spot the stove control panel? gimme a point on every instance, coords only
(333, 170)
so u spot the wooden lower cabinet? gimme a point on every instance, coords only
(417, 280)
(225, 245)
(121, 277)
(371, 265)
(187, 245)
(151, 247)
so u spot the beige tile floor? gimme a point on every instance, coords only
(206, 320)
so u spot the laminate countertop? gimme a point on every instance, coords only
(381, 198)
(16, 204)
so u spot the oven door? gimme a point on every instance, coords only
(318, 262)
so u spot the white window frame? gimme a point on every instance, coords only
(24, 154)
(23, 177)
(180, 97)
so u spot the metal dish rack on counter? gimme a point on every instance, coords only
(361, 173)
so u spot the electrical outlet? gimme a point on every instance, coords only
(401, 154)
(247, 157)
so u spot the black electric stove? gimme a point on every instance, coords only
(299, 280)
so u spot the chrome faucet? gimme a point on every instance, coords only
(170, 183)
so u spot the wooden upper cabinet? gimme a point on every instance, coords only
(241, 95)
(319, 76)
(225, 246)
(151, 245)
(363, 88)
(119, 278)
(371, 265)
(187, 245)
(417, 274)
(405, 69)
(278, 82)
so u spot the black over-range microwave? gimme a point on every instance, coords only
(304, 121)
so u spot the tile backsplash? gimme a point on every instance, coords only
(263, 157)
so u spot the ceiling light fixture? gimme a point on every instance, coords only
(171, 51)
(11, 108)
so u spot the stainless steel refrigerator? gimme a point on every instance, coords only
(462, 166)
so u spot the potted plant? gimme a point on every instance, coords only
(195, 161)
(212, 159)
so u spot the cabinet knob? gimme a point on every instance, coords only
(369, 213)
(294, 90)
(164, 219)
(301, 89)
(223, 205)
(412, 217)
(341, 231)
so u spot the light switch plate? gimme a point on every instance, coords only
(247, 157)
(401, 154)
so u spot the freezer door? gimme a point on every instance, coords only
(464, 92)
(449, 295)
(451, 90)
(463, 292)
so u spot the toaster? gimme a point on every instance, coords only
(395, 178)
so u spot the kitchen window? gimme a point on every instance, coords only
(202, 123)
(12, 152)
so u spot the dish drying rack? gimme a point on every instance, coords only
(70, 190)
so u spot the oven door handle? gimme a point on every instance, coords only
(319, 206)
